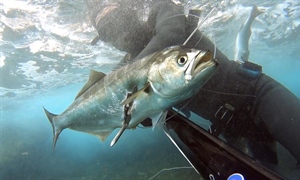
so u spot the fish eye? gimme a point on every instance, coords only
(182, 60)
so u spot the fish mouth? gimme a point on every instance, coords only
(202, 60)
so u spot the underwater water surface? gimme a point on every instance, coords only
(45, 59)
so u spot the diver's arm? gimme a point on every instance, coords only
(168, 23)
(278, 109)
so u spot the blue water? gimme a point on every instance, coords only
(27, 153)
(45, 59)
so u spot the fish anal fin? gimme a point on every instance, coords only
(93, 79)
(102, 138)
(133, 96)
(102, 135)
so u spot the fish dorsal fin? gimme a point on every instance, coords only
(94, 77)
(131, 98)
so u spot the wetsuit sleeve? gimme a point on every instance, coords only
(279, 110)
(168, 23)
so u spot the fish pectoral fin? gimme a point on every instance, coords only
(158, 120)
(181, 108)
(93, 79)
(134, 95)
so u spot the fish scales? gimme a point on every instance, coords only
(143, 89)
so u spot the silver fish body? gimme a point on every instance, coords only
(127, 96)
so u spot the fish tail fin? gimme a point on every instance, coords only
(56, 131)
(256, 11)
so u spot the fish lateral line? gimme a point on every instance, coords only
(134, 95)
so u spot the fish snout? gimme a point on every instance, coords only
(203, 60)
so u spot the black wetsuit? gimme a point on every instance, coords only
(259, 109)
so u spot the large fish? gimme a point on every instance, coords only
(143, 89)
